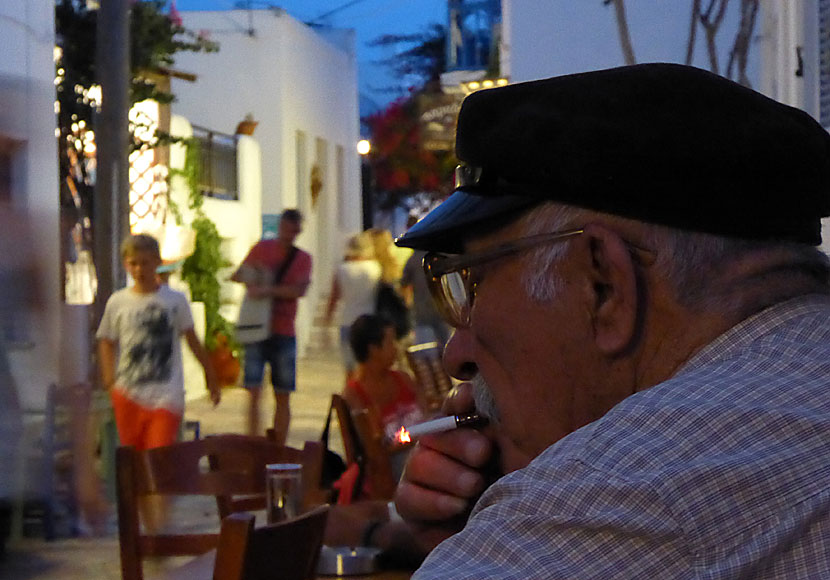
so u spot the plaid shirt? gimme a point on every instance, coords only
(723, 471)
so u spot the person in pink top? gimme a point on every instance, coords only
(389, 396)
(279, 350)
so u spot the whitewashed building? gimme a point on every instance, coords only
(795, 51)
(300, 85)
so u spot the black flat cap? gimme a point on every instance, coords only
(660, 143)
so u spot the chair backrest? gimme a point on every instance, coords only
(242, 460)
(430, 377)
(233, 546)
(378, 475)
(230, 468)
(180, 469)
(361, 441)
(286, 550)
(351, 443)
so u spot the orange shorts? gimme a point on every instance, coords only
(141, 427)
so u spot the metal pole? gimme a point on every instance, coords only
(111, 203)
(368, 193)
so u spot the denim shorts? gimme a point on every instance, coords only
(280, 352)
(346, 352)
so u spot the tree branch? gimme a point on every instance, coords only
(622, 29)
(690, 45)
(711, 27)
(740, 50)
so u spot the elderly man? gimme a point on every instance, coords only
(629, 263)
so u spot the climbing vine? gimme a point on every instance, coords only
(201, 269)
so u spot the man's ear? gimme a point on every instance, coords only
(613, 277)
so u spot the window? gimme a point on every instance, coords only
(217, 175)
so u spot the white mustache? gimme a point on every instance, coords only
(483, 396)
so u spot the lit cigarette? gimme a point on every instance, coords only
(447, 424)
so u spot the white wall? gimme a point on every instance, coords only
(27, 116)
(781, 28)
(322, 103)
(291, 79)
(785, 26)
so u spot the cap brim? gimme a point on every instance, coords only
(461, 215)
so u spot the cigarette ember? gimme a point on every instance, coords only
(403, 436)
(441, 424)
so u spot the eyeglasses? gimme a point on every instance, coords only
(453, 291)
(448, 277)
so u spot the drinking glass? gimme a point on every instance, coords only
(284, 492)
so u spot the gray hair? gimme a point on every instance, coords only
(696, 265)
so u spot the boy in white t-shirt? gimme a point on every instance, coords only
(140, 328)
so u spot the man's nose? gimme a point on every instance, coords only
(458, 361)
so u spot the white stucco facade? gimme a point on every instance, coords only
(790, 51)
(300, 84)
(27, 129)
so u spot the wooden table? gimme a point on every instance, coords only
(201, 568)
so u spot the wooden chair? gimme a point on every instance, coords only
(180, 469)
(351, 442)
(362, 444)
(242, 459)
(287, 550)
(378, 472)
(430, 377)
(184, 469)
(233, 545)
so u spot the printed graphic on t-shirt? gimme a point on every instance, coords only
(150, 354)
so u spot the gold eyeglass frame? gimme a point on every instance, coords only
(437, 265)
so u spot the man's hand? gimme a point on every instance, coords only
(444, 476)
